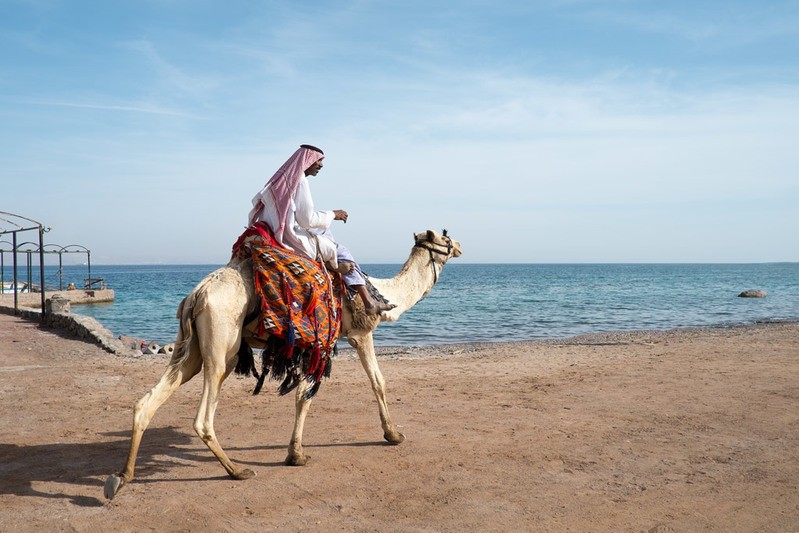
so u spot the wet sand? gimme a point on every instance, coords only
(686, 430)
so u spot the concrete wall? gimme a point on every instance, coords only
(83, 327)
(78, 296)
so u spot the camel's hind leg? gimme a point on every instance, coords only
(214, 374)
(220, 347)
(180, 370)
(364, 344)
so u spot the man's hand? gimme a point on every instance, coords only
(340, 215)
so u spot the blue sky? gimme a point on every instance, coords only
(535, 131)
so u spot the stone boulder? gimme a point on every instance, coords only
(753, 293)
(56, 304)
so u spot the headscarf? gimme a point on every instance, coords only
(283, 185)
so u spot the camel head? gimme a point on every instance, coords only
(440, 246)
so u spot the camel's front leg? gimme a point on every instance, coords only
(214, 374)
(296, 456)
(366, 351)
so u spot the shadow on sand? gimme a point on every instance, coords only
(88, 464)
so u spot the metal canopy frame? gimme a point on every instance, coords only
(70, 249)
(22, 224)
(51, 249)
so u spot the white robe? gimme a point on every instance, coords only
(304, 225)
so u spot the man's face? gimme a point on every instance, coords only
(314, 169)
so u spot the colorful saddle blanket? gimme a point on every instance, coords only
(299, 315)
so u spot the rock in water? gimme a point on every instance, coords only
(753, 293)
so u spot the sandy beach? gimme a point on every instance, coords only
(687, 430)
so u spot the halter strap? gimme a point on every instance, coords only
(431, 249)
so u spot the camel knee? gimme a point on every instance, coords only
(378, 385)
(138, 407)
(204, 431)
(141, 412)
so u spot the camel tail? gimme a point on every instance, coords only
(191, 306)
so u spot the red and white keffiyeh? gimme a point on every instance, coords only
(283, 185)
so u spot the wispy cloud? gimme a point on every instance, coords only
(167, 74)
(720, 25)
(148, 109)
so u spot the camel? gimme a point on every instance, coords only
(212, 329)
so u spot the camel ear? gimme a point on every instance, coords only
(431, 235)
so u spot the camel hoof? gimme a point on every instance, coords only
(112, 486)
(244, 473)
(297, 460)
(394, 438)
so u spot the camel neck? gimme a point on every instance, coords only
(414, 280)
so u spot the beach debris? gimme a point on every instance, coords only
(144, 347)
(132, 343)
(151, 349)
(753, 293)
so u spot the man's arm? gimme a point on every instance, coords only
(304, 213)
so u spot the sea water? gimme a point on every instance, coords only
(492, 303)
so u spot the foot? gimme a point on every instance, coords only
(297, 460)
(378, 307)
(394, 437)
(112, 485)
(244, 473)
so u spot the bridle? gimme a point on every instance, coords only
(436, 248)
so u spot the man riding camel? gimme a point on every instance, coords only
(285, 204)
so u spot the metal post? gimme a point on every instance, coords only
(60, 273)
(29, 270)
(41, 270)
(16, 283)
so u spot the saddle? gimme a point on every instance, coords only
(299, 313)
